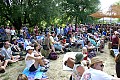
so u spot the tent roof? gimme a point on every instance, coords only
(112, 12)
(98, 14)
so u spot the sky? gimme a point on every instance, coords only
(106, 3)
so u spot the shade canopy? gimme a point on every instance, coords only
(112, 12)
(98, 14)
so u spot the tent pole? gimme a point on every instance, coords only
(110, 25)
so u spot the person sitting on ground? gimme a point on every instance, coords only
(63, 42)
(27, 42)
(84, 51)
(15, 47)
(115, 40)
(95, 72)
(86, 60)
(55, 45)
(22, 77)
(51, 42)
(79, 42)
(3, 64)
(78, 68)
(7, 53)
(91, 50)
(46, 44)
(38, 53)
(32, 60)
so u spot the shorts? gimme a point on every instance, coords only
(32, 68)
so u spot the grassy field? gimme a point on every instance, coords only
(12, 71)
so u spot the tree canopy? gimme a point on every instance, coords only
(35, 12)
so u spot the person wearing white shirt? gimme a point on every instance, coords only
(95, 72)
(7, 53)
(32, 60)
(8, 31)
(12, 33)
(27, 43)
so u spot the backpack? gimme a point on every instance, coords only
(53, 56)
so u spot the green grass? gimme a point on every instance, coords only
(13, 70)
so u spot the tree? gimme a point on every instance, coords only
(34, 12)
(79, 10)
(30, 12)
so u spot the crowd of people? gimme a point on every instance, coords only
(89, 38)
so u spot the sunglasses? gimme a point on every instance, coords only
(101, 65)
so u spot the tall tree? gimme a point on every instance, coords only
(79, 10)
(20, 12)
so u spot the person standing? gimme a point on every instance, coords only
(12, 33)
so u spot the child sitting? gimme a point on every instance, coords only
(86, 60)
(84, 51)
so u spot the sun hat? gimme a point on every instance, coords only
(79, 56)
(29, 47)
(95, 60)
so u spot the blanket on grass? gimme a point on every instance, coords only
(35, 75)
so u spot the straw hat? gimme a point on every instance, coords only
(95, 60)
(79, 57)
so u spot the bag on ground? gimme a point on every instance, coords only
(53, 56)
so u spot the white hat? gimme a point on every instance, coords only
(116, 32)
(29, 47)
(13, 38)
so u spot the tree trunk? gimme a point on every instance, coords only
(76, 19)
